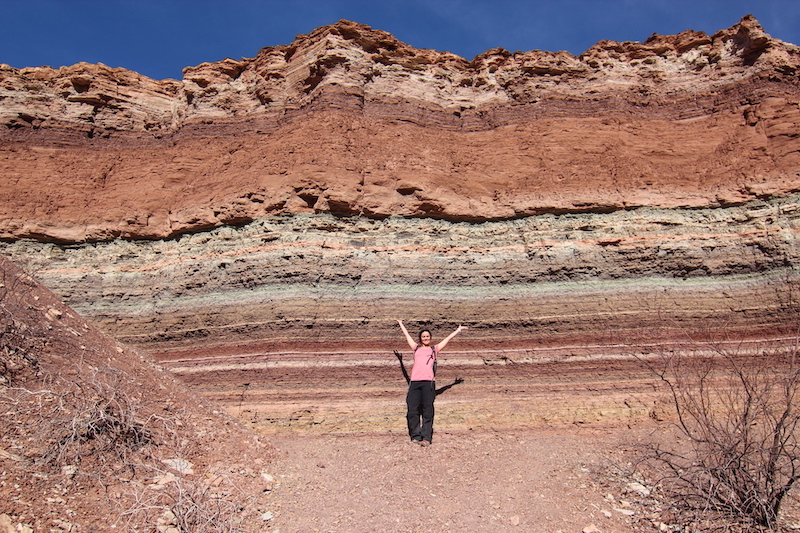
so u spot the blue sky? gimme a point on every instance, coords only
(160, 37)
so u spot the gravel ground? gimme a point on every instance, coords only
(548, 481)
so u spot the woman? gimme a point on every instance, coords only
(422, 387)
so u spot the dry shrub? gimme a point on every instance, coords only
(108, 439)
(185, 504)
(93, 417)
(737, 414)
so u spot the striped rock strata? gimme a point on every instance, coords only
(287, 320)
(260, 224)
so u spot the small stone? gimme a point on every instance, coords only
(5, 523)
(514, 520)
(639, 489)
(165, 479)
(63, 525)
(267, 516)
(591, 528)
(182, 466)
(168, 518)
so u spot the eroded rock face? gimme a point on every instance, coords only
(350, 121)
(287, 319)
(268, 219)
(329, 283)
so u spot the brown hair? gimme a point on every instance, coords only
(419, 337)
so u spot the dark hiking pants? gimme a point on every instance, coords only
(419, 401)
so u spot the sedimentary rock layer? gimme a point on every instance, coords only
(286, 320)
(268, 219)
(350, 121)
(339, 282)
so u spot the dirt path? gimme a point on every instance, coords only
(543, 481)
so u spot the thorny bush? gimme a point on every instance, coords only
(737, 409)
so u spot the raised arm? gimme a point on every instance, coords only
(447, 339)
(409, 339)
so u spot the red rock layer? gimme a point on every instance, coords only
(567, 208)
(349, 120)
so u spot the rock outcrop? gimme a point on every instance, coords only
(348, 120)
(279, 212)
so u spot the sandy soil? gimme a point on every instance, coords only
(545, 480)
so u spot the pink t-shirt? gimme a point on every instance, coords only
(424, 357)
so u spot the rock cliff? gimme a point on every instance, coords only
(350, 121)
(281, 211)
